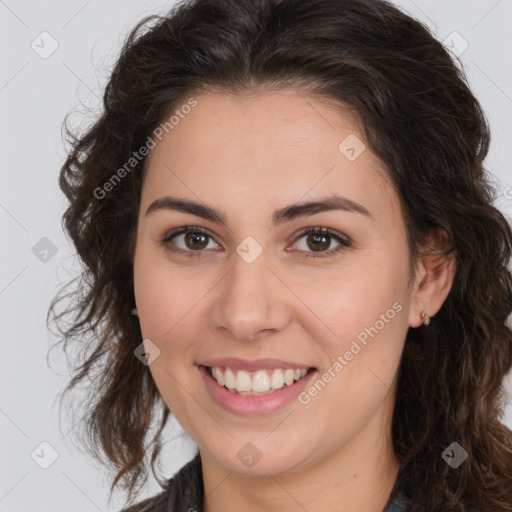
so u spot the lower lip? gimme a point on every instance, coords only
(253, 405)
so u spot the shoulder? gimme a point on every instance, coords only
(158, 503)
(402, 493)
(182, 493)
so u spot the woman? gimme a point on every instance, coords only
(290, 245)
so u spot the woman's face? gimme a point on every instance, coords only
(250, 298)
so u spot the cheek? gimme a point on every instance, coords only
(367, 315)
(171, 306)
(159, 290)
(156, 293)
(167, 307)
(348, 302)
(336, 305)
(361, 349)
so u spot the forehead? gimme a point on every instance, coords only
(249, 151)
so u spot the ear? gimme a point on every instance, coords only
(434, 278)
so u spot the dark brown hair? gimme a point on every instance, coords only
(420, 118)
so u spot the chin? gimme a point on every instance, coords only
(259, 458)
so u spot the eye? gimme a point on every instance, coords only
(195, 239)
(320, 238)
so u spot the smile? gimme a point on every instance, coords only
(255, 383)
(254, 391)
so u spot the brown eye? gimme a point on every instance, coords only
(187, 241)
(191, 241)
(196, 241)
(318, 240)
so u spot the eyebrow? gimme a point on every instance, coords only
(282, 215)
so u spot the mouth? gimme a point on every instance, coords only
(258, 382)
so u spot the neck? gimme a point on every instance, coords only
(354, 478)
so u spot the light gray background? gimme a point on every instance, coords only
(35, 95)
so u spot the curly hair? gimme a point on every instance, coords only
(419, 117)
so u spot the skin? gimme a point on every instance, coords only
(248, 156)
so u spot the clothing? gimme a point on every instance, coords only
(185, 493)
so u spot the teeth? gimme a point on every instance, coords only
(289, 375)
(277, 379)
(229, 379)
(217, 375)
(243, 381)
(260, 383)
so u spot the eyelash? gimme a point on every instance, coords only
(344, 242)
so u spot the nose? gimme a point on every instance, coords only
(251, 300)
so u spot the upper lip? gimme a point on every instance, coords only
(257, 364)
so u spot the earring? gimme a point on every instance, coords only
(426, 318)
(135, 312)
